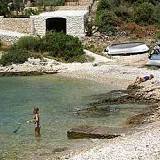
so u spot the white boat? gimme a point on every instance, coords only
(128, 48)
(153, 63)
(154, 60)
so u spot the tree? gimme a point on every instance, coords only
(4, 11)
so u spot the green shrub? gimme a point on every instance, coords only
(156, 14)
(158, 35)
(113, 13)
(65, 47)
(29, 43)
(58, 45)
(0, 44)
(14, 56)
(106, 22)
(144, 14)
(103, 5)
(123, 12)
(154, 2)
(53, 3)
(30, 12)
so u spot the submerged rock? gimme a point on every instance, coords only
(96, 111)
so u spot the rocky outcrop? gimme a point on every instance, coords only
(147, 91)
(95, 132)
(32, 67)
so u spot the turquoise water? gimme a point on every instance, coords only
(57, 98)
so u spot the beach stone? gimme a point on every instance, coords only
(34, 61)
(95, 132)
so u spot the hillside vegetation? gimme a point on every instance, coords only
(111, 15)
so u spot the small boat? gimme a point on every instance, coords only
(153, 63)
(128, 48)
(154, 59)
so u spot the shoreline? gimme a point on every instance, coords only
(104, 71)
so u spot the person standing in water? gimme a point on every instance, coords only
(36, 119)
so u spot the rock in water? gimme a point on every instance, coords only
(95, 132)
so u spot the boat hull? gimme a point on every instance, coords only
(154, 60)
(127, 49)
(153, 63)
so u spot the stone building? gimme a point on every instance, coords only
(71, 22)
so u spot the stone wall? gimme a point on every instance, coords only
(22, 25)
(39, 24)
(76, 26)
(9, 37)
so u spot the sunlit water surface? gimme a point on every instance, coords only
(58, 98)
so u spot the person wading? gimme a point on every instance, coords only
(36, 120)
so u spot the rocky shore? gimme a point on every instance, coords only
(144, 142)
(140, 144)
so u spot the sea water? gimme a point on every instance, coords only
(58, 99)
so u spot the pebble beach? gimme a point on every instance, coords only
(143, 144)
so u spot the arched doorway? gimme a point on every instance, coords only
(56, 24)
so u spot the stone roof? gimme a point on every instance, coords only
(65, 13)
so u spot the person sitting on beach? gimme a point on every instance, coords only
(143, 79)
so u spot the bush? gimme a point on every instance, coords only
(53, 3)
(103, 5)
(158, 35)
(14, 56)
(30, 12)
(58, 45)
(156, 14)
(123, 12)
(144, 14)
(154, 2)
(0, 44)
(106, 22)
(111, 14)
(65, 47)
(29, 43)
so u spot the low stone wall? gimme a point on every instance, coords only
(8, 37)
(22, 25)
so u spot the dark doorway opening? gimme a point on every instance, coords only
(56, 24)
